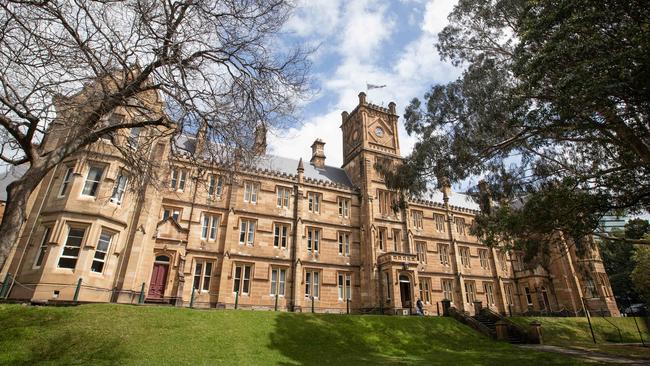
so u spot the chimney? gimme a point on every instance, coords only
(344, 116)
(362, 98)
(391, 108)
(485, 197)
(201, 139)
(259, 146)
(318, 154)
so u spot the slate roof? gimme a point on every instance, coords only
(280, 164)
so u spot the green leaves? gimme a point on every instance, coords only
(550, 110)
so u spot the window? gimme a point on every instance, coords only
(101, 251)
(345, 286)
(510, 294)
(278, 278)
(464, 256)
(178, 179)
(460, 225)
(470, 291)
(283, 196)
(242, 279)
(118, 190)
(312, 284)
(489, 293)
(215, 185)
(440, 222)
(42, 248)
(250, 192)
(281, 233)
(247, 232)
(382, 238)
(132, 140)
(483, 256)
(313, 201)
(202, 274)
(67, 179)
(344, 244)
(313, 239)
(447, 289)
(425, 290)
(443, 254)
(174, 213)
(529, 297)
(94, 177)
(388, 285)
(209, 226)
(71, 249)
(385, 199)
(344, 207)
(421, 250)
(417, 219)
(396, 239)
(503, 260)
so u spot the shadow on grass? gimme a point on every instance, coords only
(34, 336)
(335, 339)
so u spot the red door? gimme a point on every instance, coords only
(158, 280)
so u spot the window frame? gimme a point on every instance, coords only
(247, 229)
(251, 191)
(42, 248)
(215, 185)
(344, 207)
(344, 286)
(94, 184)
(278, 286)
(421, 251)
(68, 178)
(283, 197)
(470, 289)
(425, 289)
(529, 296)
(417, 217)
(281, 235)
(244, 280)
(465, 257)
(203, 276)
(312, 283)
(447, 286)
(82, 240)
(314, 202)
(119, 189)
(111, 237)
(343, 243)
(381, 238)
(459, 222)
(440, 222)
(443, 254)
(484, 259)
(210, 226)
(313, 241)
(488, 288)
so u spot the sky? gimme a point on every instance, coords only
(363, 42)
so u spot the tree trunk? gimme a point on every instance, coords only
(18, 193)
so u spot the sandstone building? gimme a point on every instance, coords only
(300, 233)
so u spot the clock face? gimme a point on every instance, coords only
(379, 132)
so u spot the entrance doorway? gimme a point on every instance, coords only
(405, 291)
(158, 277)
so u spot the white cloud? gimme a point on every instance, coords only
(315, 18)
(365, 29)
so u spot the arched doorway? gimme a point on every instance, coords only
(158, 277)
(405, 290)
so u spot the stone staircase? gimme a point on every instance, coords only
(489, 319)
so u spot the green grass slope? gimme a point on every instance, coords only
(118, 334)
(574, 332)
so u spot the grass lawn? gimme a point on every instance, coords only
(106, 334)
(574, 332)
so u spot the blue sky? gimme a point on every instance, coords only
(368, 41)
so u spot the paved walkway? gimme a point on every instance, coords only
(586, 355)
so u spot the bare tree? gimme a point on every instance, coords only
(212, 65)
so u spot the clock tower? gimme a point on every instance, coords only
(370, 136)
